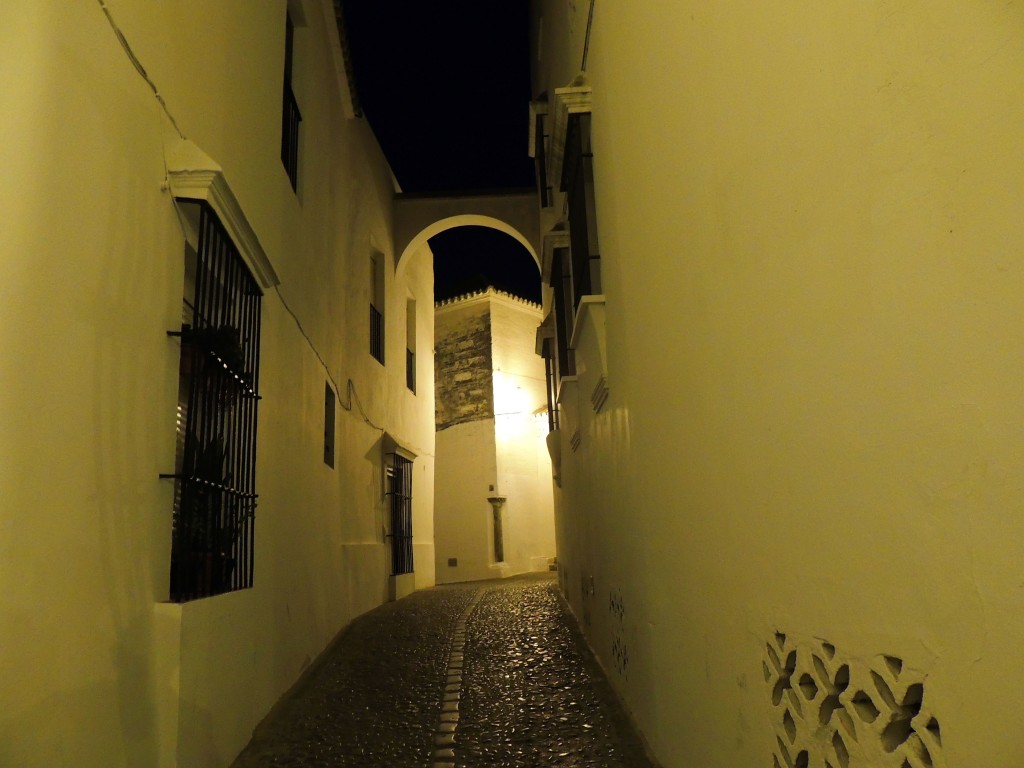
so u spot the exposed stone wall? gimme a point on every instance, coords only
(462, 355)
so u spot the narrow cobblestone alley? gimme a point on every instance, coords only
(479, 675)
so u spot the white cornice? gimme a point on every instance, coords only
(393, 444)
(193, 175)
(574, 99)
(556, 237)
(545, 331)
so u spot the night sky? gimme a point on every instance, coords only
(445, 85)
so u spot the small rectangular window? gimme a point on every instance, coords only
(330, 401)
(410, 345)
(290, 115)
(377, 306)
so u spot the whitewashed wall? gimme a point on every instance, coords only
(98, 670)
(810, 229)
(498, 452)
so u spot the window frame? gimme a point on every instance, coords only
(213, 514)
(291, 116)
(410, 344)
(377, 299)
(399, 475)
(578, 185)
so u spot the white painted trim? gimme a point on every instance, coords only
(586, 302)
(546, 330)
(556, 237)
(591, 315)
(193, 175)
(392, 444)
(565, 385)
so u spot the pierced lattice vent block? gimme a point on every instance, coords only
(831, 710)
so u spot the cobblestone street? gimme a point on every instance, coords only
(479, 675)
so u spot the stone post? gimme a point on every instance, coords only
(497, 502)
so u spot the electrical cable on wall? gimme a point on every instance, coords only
(586, 39)
(351, 393)
(138, 65)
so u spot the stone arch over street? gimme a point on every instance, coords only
(417, 218)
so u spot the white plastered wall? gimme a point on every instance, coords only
(500, 456)
(810, 229)
(97, 669)
(466, 471)
(523, 464)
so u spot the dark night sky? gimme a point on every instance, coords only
(445, 86)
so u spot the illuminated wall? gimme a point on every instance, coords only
(804, 484)
(98, 668)
(491, 419)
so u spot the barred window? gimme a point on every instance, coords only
(214, 495)
(562, 288)
(399, 479)
(578, 185)
(550, 354)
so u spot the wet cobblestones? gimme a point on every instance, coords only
(373, 701)
(529, 694)
(532, 697)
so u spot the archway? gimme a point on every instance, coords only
(418, 218)
(470, 258)
(467, 220)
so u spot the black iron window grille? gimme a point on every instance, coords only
(290, 115)
(562, 289)
(410, 370)
(376, 334)
(212, 533)
(578, 184)
(399, 474)
(551, 379)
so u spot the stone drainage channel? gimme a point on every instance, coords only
(523, 691)
(444, 739)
